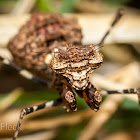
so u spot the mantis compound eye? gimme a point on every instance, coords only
(92, 97)
(69, 99)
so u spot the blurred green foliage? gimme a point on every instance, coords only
(60, 6)
(47, 5)
(40, 96)
(67, 6)
(126, 116)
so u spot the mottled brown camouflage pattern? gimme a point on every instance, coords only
(49, 46)
(39, 36)
(76, 63)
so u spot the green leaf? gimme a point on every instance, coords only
(44, 5)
